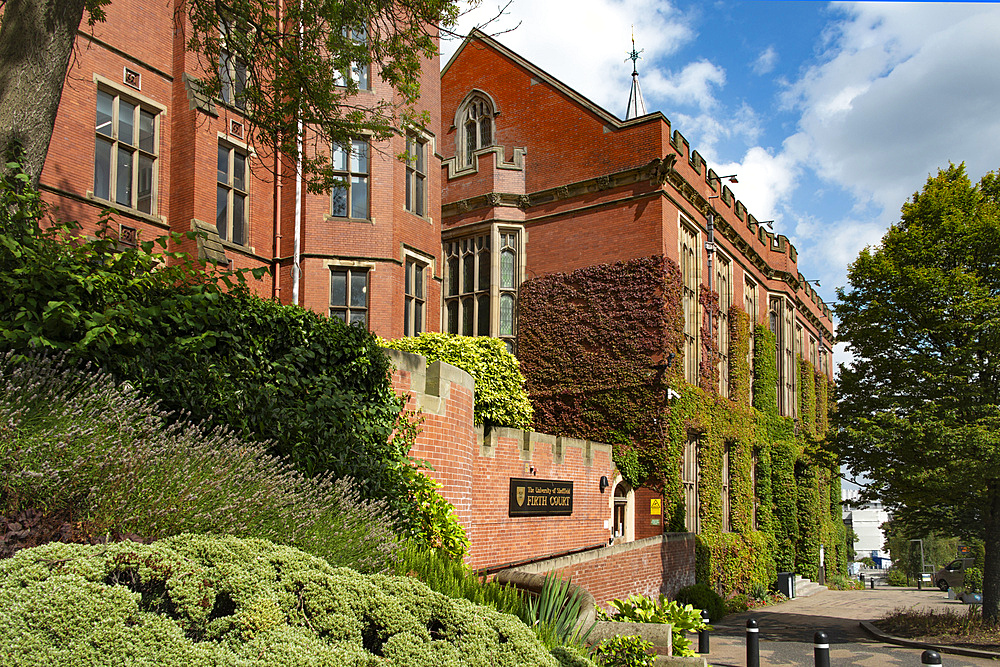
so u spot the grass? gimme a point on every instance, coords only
(943, 627)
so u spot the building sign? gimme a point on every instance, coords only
(540, 497)
(655, 506)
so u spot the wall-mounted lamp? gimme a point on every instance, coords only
(767, 223)
(533, 470)
(731, 178)
(604, 483)
(814, 282)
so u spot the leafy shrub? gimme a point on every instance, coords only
(639, 609)
(571, 656)
(108, 460)
(867, 561)
(624, 651)
(841, 583)
(555, 612)
(737, 604)
(700, 596)
(973, 582)
(448, 575)
(896, 577)
(501, 399)
(202, 600)
(316, 390)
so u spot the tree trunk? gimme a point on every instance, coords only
(991, 569)
(36, 41)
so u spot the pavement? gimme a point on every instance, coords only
(787, 630)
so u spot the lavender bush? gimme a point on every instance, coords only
(73, 442)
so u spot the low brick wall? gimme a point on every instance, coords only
(476, 472)
(651, 566)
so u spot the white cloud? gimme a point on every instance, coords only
(562, 39)
(765, 181)
(765, 61)
(694, 85)
(903, 89)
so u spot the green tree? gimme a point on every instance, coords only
(919, 406)
(906, 553)
(297, 60)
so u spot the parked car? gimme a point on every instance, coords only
(953, 574)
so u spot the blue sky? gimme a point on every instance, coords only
(832, 114)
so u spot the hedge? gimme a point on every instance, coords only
(202, 600)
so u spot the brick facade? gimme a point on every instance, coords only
(189, 132)
(593, 189)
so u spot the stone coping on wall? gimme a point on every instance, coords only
(430, 384)
(528, 441)
(561, 562)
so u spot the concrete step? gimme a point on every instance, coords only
(806, 587)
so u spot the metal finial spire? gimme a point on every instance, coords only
(636, 105)
(634, 55)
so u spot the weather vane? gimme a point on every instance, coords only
(634, 55)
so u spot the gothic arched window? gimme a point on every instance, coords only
(477, 127)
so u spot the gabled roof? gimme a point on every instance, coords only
(540, 74)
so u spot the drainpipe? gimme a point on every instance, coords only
(296, 267)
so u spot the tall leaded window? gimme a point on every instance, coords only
(483, 274)
(791, 374)
(125, 152)
(416, 175)
(357, 71)
(774, 318)
(782, 321)
(689, 480)
(724, 284)
(467, 299)
(231, 199)
(414, 307)
(477, 126)
(750, 305)
(349, 295)
(509, 281)
(232, 70)
(349, 198)
(690, 265)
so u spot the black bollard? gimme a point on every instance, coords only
(821, 649)
(873, 583)
(862, 577)
(753, 644)
(703, 634)
(930, 658)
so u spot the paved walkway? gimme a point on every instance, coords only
(787, 629)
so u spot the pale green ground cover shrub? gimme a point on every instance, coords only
(73, 442)
(194, 600)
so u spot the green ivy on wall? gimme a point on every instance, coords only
(601, 348)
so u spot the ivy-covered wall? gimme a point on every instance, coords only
(601, 348)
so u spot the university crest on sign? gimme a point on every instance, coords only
(520, 496)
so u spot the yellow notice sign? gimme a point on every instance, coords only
(655, 506)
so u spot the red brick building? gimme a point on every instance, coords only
(518, 176)
(133, 134)
(554, 183)
(538, 179)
